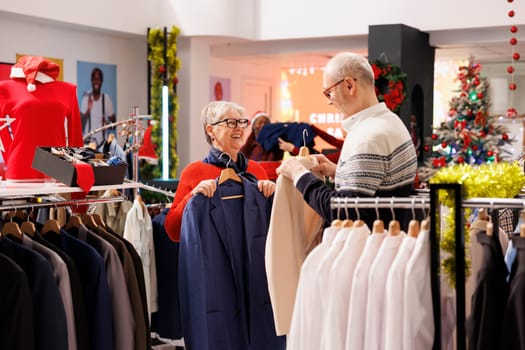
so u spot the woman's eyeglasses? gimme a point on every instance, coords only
(233, 123)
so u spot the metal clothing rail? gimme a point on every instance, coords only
(73, 202)
(151, 188)
(117, 123)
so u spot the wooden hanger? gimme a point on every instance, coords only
(12, 228)
(522, 230)
(74, 222)
(425, 224)
(490, 229)
(28, 227)
(482, 214)
(378, 226)
(88, 220)
(394, 228)
(98, 220)
(413, 228)
(347, 223)
(304, 151)
(51, 225)
(229, 174)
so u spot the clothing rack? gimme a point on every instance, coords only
(430, 200)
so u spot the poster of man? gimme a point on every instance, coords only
(96, 85)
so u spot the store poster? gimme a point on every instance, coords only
(108, 86)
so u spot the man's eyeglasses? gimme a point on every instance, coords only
(233, 123)
(328, 91)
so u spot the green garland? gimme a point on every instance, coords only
(159, 70)
(490, 180)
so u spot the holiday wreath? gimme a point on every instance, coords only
(389, 84)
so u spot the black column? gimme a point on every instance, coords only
(409, 48)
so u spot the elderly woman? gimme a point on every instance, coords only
(224, 125)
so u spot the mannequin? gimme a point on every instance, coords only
(34, 108)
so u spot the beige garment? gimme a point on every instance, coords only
(292, 229)
(475, 254)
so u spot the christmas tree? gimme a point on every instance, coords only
(470, 135)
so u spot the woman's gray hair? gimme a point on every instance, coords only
(349, 64)
(213, 112)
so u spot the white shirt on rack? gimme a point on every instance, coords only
(394, 296)
(357, 309)
(375, 301)
(339, 287)
(418, 314)
(307, 306)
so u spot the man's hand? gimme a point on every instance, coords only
(324, 165)
(286, 146)
(291, 167)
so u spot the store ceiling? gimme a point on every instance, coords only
(486, 45)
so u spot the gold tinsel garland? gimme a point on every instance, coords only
(164, 72)
(494, 180)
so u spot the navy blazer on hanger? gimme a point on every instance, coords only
(225, 303)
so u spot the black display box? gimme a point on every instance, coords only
(65, 172)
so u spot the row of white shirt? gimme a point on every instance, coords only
(359, 290)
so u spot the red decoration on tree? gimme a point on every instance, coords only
(505, 137)
(434, 136)
(490, 153)
(512, 113)
(461, 160)
(510, 69)
(513, 86)
(513, 29)
(480, 95)
(426, 148)
(175, 80)
(444, 144)
(474, 147)
(511, 13)
(513, 41)
(516, 56)
(162, 69)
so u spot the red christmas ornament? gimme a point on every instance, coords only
(444, 144)
(512, 113)
(513, 29)
(162, 69)
(482, 133)
(510, 69)
(435, 162)
(434, 137)
(511, 13)
(426, 148)
(490, 153)
(461, 160)
(474, 147)
(510, 1)
(513, 41)
(480, 95)
(504, 137)
(516, 56)
(175, 80)
(513, 86)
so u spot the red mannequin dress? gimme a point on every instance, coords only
(34, 108)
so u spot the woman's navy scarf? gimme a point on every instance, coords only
(223, 160)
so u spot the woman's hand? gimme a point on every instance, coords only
(205, 187)
(266, 187)
(324, 165)
(286, 146)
